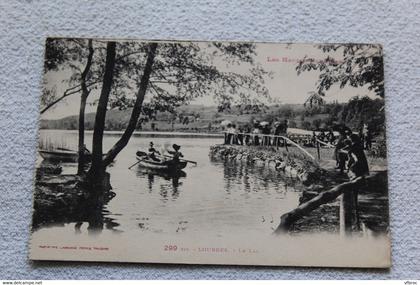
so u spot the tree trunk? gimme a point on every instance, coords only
(81, 160)
(83, 99)
(123, 141)
(97, 169)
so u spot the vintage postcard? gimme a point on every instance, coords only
(212, 153)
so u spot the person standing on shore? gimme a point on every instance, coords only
(341, 156)
(266, 135)
(368, 140)
(240, 135)
(235, 135)
(255, 134)
(277, 132)
(359, 166)
(229, 134)
(331, 137)
(248, 136)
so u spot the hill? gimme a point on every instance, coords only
(188, 118)
(199, 118)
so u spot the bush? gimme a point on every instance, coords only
(379, 148)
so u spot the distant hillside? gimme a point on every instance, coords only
(198, 118)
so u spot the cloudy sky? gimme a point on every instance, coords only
(285, 86)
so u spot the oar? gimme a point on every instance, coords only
(190, 161)
(166, 149)
(140, 160)
(135, 164)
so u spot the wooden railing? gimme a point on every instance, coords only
(349, 217)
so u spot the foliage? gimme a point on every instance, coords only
(359, 111)
(183, 71)
(379, 148)
(358, 65)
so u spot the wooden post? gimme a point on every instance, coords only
(348, 205)
(318, 150)
(351, 219)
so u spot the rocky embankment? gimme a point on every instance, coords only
(63, 198)
(290, 164)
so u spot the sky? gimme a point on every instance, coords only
(286, 86)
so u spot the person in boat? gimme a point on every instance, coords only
(153, 152)
(176, 154)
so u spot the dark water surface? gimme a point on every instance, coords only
(213, 197)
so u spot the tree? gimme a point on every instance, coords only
(97, 169)
(306, 125)
(171, 74)
(292, 124)
(83, 99)
(361, 64)
(316, 123)
(363, 110)
(167, 74)
(70, 53)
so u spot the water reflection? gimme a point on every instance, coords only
(96, 216)
(158, 178)
(78, 208)
(214, 197)
(250, 178)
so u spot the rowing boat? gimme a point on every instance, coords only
(63, 155)
(161, 165)
(59, 155)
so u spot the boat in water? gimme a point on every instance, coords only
(63, 155)
(161, 165)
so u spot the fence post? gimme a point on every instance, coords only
(318, 150)
(350, 210)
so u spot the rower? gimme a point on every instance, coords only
(176, 154)
(153, 152)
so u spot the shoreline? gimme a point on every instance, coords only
(150, 133)
(292, 131)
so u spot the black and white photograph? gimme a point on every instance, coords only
(194, 152)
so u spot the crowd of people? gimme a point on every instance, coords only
(329, 138)
(263, 133)
(349, 147)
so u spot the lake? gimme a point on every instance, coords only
(213, 197)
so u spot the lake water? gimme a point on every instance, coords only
(213, 197)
